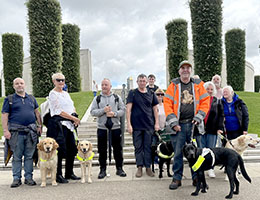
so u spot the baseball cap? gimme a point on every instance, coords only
(185, 62)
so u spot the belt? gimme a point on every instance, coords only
(184, 121)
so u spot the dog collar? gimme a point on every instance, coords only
(42, 160)
(201, 159)
(85, 159)
(162, 155)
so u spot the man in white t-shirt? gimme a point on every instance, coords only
(94, 88)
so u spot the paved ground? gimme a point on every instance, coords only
(130, 187)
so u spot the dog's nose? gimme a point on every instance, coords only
(84, 150)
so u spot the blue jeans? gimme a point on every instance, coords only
(142, 142)
(26, 148)
(208, 140)
(178, 141)
(94, 93)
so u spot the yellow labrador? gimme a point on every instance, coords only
(85, 156)
(47, 152)
(241, 143)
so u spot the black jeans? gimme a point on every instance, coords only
(102, 136)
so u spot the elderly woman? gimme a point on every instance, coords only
(236, 114)
(214, 121)
(61, 126)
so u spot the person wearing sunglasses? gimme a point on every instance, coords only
(61, 126)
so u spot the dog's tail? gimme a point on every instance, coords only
(243, 170)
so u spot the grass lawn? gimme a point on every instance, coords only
(81, 100)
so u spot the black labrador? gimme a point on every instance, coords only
(220, 156)
(164, 151)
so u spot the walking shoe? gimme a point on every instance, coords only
(175, 184)
(120, 172)
(16, 183)
(211, 173)
(72, 177)
(149, 172)
(61, 179)
(139, 172)
(102, 174)
(29, 182)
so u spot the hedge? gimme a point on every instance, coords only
(235, 56)
(177, 39)
(257, 83)
(206, 26)
(12, 48)
(45, 43)
(71, 56)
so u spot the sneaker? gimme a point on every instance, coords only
(175, 184)
(16, 183)
(29, 182)
(149, 172)
(120, 172)
(211, 173)
(139, 172)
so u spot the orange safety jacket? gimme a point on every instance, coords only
(172, 101)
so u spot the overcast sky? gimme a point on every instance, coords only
(128, 37)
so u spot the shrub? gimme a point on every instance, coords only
(71, 56)
(206, 26)
(235, 55)
(45, 43)
(12, 48)
(177, 39)
(257, 83)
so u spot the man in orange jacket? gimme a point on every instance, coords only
(186, 102)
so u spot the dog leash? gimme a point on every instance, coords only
(193, 140)
(224, 137)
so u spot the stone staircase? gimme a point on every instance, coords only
(87, 131)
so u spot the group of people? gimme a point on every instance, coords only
(190, 107)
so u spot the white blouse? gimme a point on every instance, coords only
(61, 101)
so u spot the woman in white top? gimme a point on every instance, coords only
(162, 118)
(61, 126)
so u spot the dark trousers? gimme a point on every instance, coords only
(102, 136)
(142, 140)
(234, 134)
(71, 151)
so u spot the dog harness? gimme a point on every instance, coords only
(47, 160)
(85, 159)
(162, 155)
(201, 159)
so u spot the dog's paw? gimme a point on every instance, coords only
(236, 192)
(43, 185)
(169, 175)
(229, 196)
(160, 175)
(203, 191)
(194, 194)
(83, 180)
(54, 183)
(89, 181)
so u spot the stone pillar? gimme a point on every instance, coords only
(85, 70)
(130, 84)
(27, 75)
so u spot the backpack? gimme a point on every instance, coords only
(98, 99)
(10, 101)
(45, 112)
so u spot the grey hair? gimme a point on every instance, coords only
(216, 75)
(141, 76)
(229, 87)
(56, 75)
(207, 84)
(106, 79)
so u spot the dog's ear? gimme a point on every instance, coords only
(240, 140)
(55, 144)
(90, 146)
(40, 146)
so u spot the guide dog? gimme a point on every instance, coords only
(215, 156)
(47, 152)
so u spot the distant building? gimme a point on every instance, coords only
(249, 72)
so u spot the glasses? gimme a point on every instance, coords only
(60, 80)
(160, 94)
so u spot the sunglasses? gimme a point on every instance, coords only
(60, 80)
(160, 94)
